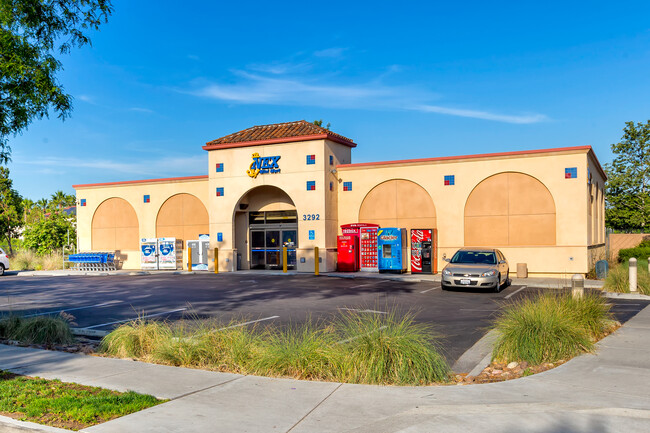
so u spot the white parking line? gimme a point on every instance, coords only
(428, 290)
(248, 323)
(364, 311)
(135, 318)
(360, 285)
(515, 292)
(103, 304)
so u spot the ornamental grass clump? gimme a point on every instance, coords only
(550, 327)
(618, 278)
(388, 349)
(137, 339)
(48, 330)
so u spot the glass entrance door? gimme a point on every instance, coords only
(269, 233)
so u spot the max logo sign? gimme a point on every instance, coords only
(263, 165)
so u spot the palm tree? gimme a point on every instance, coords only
(58, 199)
(42, 203)
(28, 205)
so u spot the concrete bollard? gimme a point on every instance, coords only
(633, 269)
(216, 260)
(189, 259)
(577, 286)
(316, 261)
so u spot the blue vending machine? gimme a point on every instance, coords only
(391, 251)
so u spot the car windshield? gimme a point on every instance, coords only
(474, 257)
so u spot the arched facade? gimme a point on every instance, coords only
(510, 209)
(115, 227)
(182, 216)
(399, 203)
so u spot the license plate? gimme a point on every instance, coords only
(465, 281)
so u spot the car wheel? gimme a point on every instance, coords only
(2, 269)
(497, 289)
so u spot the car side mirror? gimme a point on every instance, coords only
(446, 259)
(502, 262)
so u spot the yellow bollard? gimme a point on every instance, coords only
(189, 259)
(216, 260)
(284, 259)
(316, 260)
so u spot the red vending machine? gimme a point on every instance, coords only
(347, 247)
(366, 235)
(368, 249)
(421, 251)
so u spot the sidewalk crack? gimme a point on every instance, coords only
(315, 407)
(205, 389)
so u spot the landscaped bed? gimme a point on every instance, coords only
(65, 405)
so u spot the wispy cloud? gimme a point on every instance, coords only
(284, 89)
(86, 98)
(161, 167)
(330, 52)
(141, 110)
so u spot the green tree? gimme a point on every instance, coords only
(60, 200)
(319, 122)
(50, 234)
(31, 33)
(11, 209)
(628, 183)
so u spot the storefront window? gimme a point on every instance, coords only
(256, 218)
(282, 217)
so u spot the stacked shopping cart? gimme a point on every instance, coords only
(93, 261)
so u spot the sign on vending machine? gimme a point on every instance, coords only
(368, 249)
(149, 253)
(167, 253)
(421, 250)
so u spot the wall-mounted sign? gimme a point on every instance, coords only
(263, 165)
(312, 235)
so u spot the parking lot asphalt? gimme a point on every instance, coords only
(460, 317)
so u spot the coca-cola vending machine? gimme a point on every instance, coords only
(424, 244)
(347, 247)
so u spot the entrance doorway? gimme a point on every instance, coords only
(269, 232)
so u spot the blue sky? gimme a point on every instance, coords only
(403, 80)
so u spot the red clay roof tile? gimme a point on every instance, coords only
(277, 133)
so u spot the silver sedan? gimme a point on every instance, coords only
(472, 267)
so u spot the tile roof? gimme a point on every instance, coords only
(277, 133)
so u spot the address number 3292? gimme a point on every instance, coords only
(311, 217)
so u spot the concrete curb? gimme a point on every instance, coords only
(634, 296)
(12, 425)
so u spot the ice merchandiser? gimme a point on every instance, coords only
(423, 251)
(391, 246)
(347, 247)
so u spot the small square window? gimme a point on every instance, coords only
(220, 167)
(83, 202)
(347, 186)
(147, 198)
(331, 159)
(571, 173)
(220, 192)
(311, 185)
(450, 180)
(311, 159)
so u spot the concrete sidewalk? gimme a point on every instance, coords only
(604, 392)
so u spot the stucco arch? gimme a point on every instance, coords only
(265, 198)
(510, 209)
(182, 216)
(398, 203)
(115, 226)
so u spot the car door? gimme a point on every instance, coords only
(503, 265)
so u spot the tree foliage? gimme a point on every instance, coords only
(50, 234)
(11, 209)
(31, 33)
(628, 183)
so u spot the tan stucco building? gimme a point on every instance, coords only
(294, 184)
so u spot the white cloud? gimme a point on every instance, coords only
(141, 110)
(86, 98)
(330, 52)
(287, 90)
(158, 168)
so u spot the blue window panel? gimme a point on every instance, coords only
(347, 186)
(83, 202)
(220, 167)
(311, 185)
(331, 186)
(311, 159)
(571, 173)
(331, 159)
(220, 192)
(450, 180)
(147, 198)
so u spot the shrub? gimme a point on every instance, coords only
(25, 260)
(550, 327)
(638, 252)
(137, 339)
(37, 330)
(52, 261)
